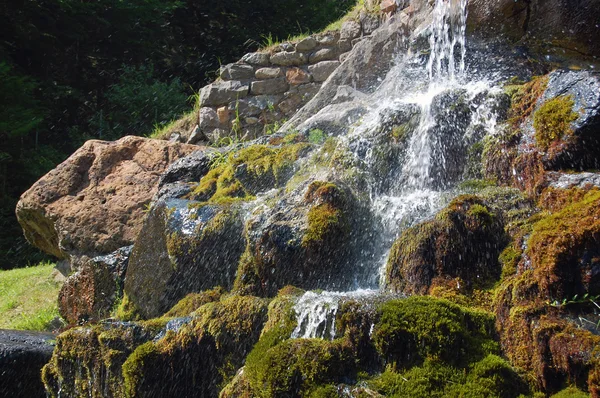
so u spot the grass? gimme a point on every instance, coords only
(183, 124)
(28, 297)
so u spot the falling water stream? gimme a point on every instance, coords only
(423, 185)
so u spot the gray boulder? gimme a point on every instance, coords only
(285, 58)
(269, 87)
(322, 70)
(260, 59)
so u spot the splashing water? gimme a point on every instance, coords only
(316, 312)
(448, 34)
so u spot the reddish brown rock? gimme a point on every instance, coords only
(388, 6)
(296, 76)
(93, 203)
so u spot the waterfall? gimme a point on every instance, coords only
(429, 170)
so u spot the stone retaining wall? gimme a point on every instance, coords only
(258, 93)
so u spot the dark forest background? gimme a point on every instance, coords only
(73, 70)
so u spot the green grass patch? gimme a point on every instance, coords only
(28, 297)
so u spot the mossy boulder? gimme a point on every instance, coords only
(563, 247)
(297, 367)
(175, 253)
(409, 331)
(87, 361)
(311, 238)
(202, 356)
(459, 246)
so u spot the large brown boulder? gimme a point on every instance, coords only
(93, 203)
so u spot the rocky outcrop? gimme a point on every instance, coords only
(93, 203)
(22, 356)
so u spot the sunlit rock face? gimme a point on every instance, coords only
(93, 203)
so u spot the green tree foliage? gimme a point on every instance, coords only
(137, 103)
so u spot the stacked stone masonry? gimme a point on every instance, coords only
(258, 93)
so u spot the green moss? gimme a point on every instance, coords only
(432, 379)
(571, 392)
(243, 173)
(482, 213)
(322, 220)
(509, 258)
(326, 219)
(193, 301)
(411, 330)
(126, 310)
(298, 366)
(490, 377)
(326, 391)
(552, 121)
(133, 375)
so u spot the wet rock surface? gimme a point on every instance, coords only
(22, 356)
(175, 253)
(90, 294)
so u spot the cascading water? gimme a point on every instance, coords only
(451, 115)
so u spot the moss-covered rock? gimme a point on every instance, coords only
(564, 250)
(298, 366)
(461, 244)
(175, 253)
(552, 127)
(414, 329)
(87, 361)
(243, 173)
(312, 238)
(552, 121)
(193, 301)
(202, 356)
